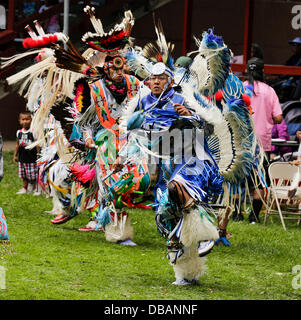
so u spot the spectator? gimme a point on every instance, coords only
(3, 225)
(256, 52)
(280, 131)
(26, 158)
(29, 8)
(267, 112)
(295, 59)
(52, 24)
(289, 87)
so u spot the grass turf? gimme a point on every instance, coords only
(58, 262)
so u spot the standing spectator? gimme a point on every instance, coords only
(267, 112)
(26, 158)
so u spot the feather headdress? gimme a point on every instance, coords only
(38, 41)
(114, 40)
(141, 63)
(41, 39)
(161, 50)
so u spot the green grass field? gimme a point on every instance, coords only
(58, 262)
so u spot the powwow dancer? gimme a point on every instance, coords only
(74, 63)
(96, 110)
(43, 85)
(187, 189)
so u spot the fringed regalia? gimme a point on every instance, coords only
(77, 101)
(100, 121)
(225, 155)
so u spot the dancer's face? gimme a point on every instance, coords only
(157, 83)
(115, 74)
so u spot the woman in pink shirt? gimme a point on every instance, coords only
(267, 112)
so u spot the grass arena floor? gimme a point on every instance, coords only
(60, 263)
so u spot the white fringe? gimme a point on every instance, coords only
(120, 229)
(196, 228)
(10, 60)
(190, 266)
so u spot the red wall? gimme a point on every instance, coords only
(271, 30)
(272, 27)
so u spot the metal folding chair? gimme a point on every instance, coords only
(284, 177)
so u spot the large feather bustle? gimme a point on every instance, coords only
(70, 59)
(7, 61)
(54, 79)
(211, 66)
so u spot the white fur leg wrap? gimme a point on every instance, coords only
(120, 229)
(196, 228)
(190, 266)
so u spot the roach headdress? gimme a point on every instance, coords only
(113, 41)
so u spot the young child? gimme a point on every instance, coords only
(26, 158)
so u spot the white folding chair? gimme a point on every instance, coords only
(284, 177)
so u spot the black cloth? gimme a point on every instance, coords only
(294, 60)
(25, 138)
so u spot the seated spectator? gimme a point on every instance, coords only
(29, 8)
(256, 52)
(52, 24)
(280, 131)
(288, 87)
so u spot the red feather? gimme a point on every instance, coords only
(219, 95)
(246, 99)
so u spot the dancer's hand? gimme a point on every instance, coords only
(181, 110)
(90, 143)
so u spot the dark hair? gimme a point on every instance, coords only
(24, 113)
(255, 70)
